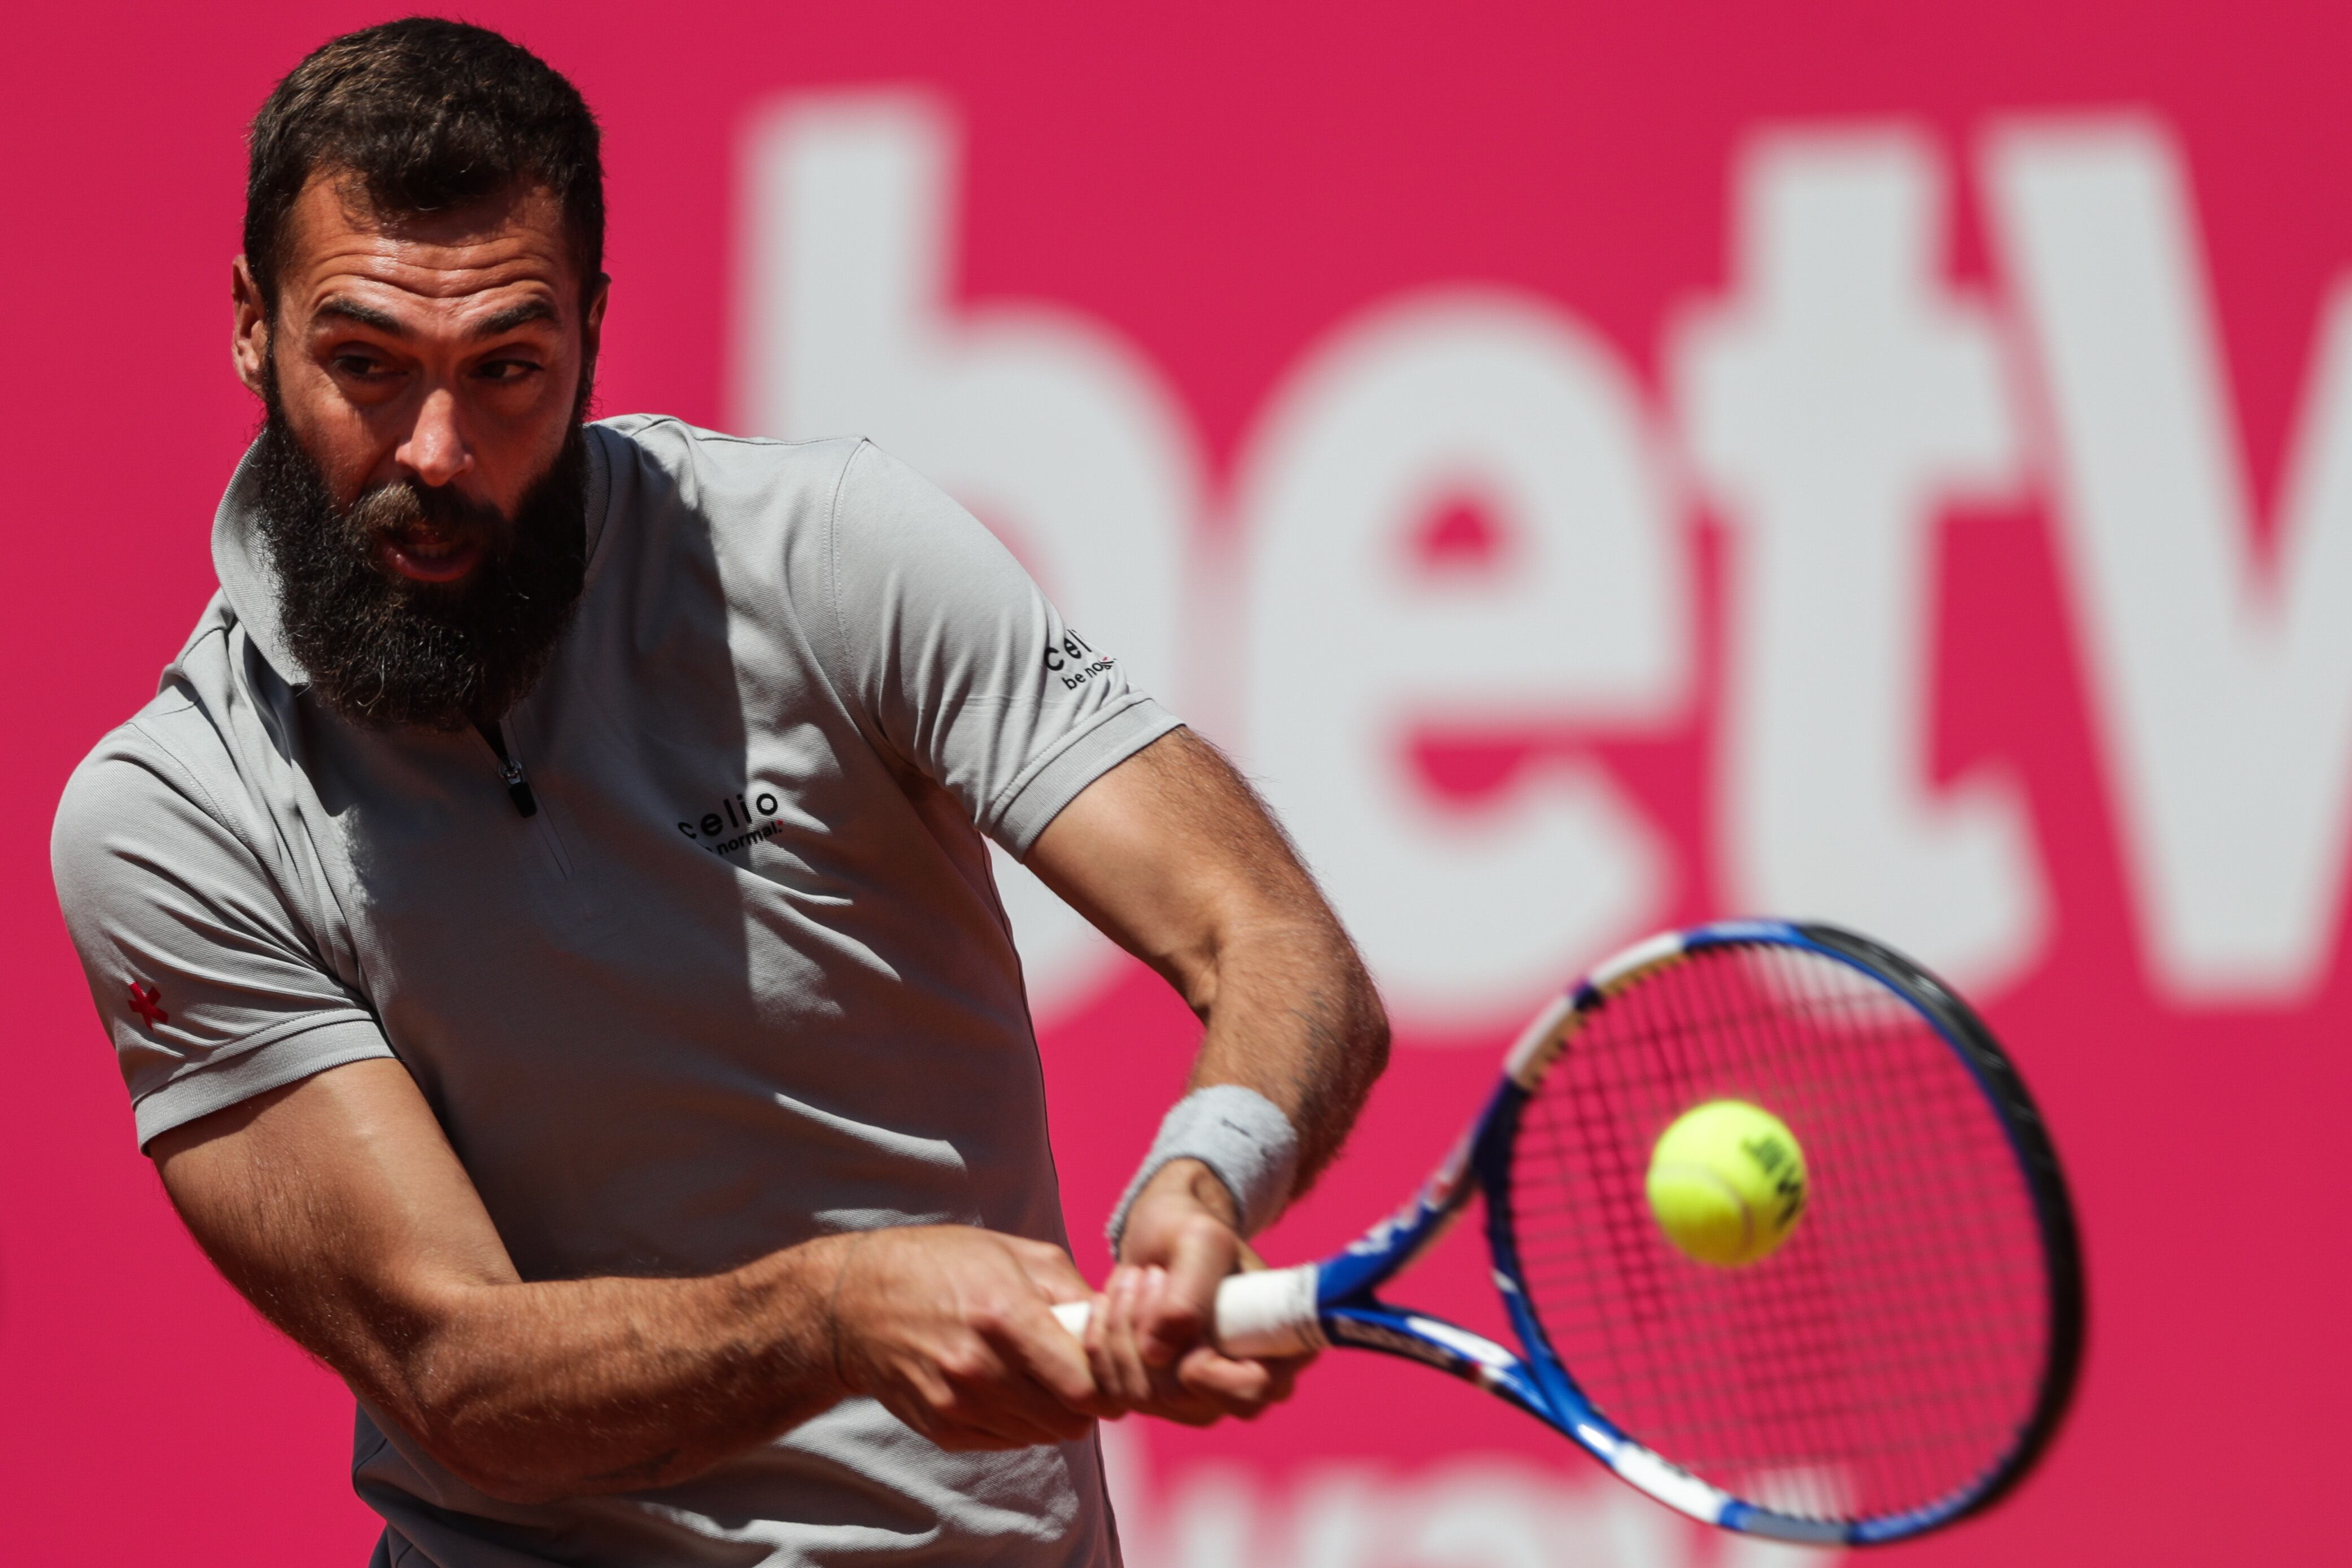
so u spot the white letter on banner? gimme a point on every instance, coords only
(1833, 405)
(2225, 690)
(1464, 915)
(1043, 423)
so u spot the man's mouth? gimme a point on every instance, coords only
(428, 554)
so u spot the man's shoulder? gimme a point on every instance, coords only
(170, 750)
(140, 783)
(650, 457)
(665, 452)
(173, 751)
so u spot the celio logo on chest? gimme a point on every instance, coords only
(741, 821)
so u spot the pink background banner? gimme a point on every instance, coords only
(1599, 467)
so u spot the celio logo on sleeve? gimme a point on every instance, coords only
(1074, 662)
(739, 821)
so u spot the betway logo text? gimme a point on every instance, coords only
(1831, 406)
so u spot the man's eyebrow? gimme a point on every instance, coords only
(366, 315)
(514, 316)
(506, 320)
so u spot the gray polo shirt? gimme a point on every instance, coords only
(742, 980)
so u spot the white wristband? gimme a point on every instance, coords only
(1238, 1133)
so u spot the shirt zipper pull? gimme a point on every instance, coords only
(526, 804)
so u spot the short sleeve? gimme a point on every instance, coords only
(202, 973)
(970, 676)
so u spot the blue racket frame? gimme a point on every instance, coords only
(1350, 1311)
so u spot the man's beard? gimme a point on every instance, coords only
(386, 651)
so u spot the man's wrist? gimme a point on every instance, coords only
(1188, 1182)
(1240, 1138)
(846, 1248)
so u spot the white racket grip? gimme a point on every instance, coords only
(1268, 1313)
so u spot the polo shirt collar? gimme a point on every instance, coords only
(247, 579)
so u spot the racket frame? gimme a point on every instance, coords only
(1349, 1310)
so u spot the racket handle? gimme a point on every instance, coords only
(1270, 1312)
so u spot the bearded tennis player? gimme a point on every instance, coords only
(545, 920)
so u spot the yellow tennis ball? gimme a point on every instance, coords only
(1728, 1183)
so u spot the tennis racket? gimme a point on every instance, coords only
(1898, 1363)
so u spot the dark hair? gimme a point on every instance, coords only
(427, 115)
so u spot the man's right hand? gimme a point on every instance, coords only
(951, 1330)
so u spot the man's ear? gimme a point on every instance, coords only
(249, 343)
(592, 323)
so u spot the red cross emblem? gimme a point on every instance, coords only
(147, 1002)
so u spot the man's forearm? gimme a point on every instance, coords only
(539, 1390)
(337, 1208)
(1292, 1014)
(1174, 856)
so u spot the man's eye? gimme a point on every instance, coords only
(359, 365)
(507, 370)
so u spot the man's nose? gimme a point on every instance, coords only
(436, 451)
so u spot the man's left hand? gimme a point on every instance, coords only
(1149, 1340)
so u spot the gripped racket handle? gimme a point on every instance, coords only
(1268, 1313)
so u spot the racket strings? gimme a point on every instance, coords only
(1960, 1326)
(1811, 1343)
(1891, 1350)
(1907, 1379)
